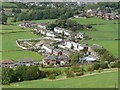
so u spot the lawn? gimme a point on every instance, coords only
(94, 20)
(103, 80)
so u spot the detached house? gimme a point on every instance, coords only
(58, 30)
(56, 60)
(49, 60)
(73, 45)
(7, 63)
(92, 50)
(26, 62)
(42, 25)
(80, 35)
(56, 52)
(47, 48)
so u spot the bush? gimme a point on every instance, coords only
(118, 64)
(90, 68)
(100, 70)
(52, 76)
(103, 65)
(69, 73)
(96, 66)
(113, 64)
(79, 73)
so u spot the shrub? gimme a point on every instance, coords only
(69, 73)
(103, 65)
(96, 66)
(79, 73)
(100, 70)
(90, 68)
(113, 65)
(52, 76)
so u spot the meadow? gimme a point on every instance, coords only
(104, 35)
(102, 80)
(94, 20)
(11, 34)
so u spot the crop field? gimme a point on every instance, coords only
(103, 80)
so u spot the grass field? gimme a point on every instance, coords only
(8, 43)
(94, 20)
(37, 21)
(7, 4)
(17, 55)
(104, 35)
(103, 80)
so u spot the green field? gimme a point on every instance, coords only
(8, 43)
(17, 55)
(8, 4)
(9, 38)
(103, 80)
(37, 21)
(104, 35)
(94, 20)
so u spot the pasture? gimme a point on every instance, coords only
(110, 80)
(104, 35)
(94, 20)
(8, 43)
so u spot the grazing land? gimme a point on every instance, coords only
(104, 35)
(94, 20)
(92, 81)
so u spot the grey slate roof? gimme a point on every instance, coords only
(26, 60)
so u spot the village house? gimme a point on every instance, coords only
(58, 30)
(47, 48)
(42, 25)
(80, 35)
(90, 12)
(73, 45)
(26, 62)
(7, 63)
(91, 50)
(63, 60)
(56, 60)
(56, 52)
(61, 30)
(66, 53)
(51, 34)
(49, 60)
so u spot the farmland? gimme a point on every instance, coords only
(92, 81)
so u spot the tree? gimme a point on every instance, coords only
(51, 26)
(27, 73)
(7, 75)
(62, 35)
(3, 18)
(74, 57)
